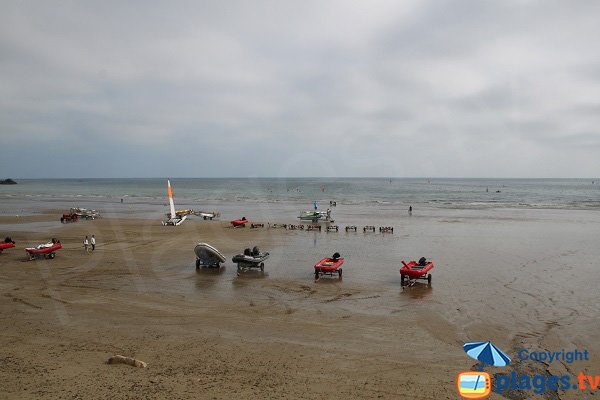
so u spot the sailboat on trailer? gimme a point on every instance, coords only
(174, 219)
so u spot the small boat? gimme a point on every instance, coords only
(8, 243)
(315, 216)
(208, 256)
(329, 266)
(181, 213)
(207, 214)
(45, 250)
(85, 213)
(250, 259)
(416, 270)
(174, 219)
(310, 216)
(239, 222)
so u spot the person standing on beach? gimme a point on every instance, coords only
(410, 210)
(86, 244)
(93, 242)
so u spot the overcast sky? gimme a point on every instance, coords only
(280, 88)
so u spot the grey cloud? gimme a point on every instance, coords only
(475, 85)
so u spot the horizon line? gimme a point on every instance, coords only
(300, 177)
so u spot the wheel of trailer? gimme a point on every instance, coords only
(402, 278)
(429, 279)
(210, 218)
(51, 255)
(340, 273)
(316, 274)
(262, 267)
(197, 263)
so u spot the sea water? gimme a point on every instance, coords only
(276, 197)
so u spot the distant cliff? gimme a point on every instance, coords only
(7, 182)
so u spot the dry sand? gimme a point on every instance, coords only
(214, 335)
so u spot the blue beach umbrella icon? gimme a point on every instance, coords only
(486, 353)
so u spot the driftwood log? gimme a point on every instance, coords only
(127, 360)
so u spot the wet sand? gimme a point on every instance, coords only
(523, 282)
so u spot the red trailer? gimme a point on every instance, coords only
(7, 244)
(239, 222)
(47, 250)
(416, 270)
(329, 266)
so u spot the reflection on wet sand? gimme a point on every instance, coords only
(417, 290)
(252, 274)
(208, 277)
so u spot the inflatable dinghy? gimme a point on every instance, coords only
(329, 266)
(208, 256)
(207, 214)
(250, 259)
(416, 270)
(8, 243)
(239, 222)
(45, 250)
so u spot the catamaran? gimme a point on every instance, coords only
(174, 218)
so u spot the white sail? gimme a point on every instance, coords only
(170, 191)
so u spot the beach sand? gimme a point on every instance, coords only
(524, 282)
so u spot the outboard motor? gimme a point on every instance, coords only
(255, 251)
(422, 261)
(247, 252)
(336, 255)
